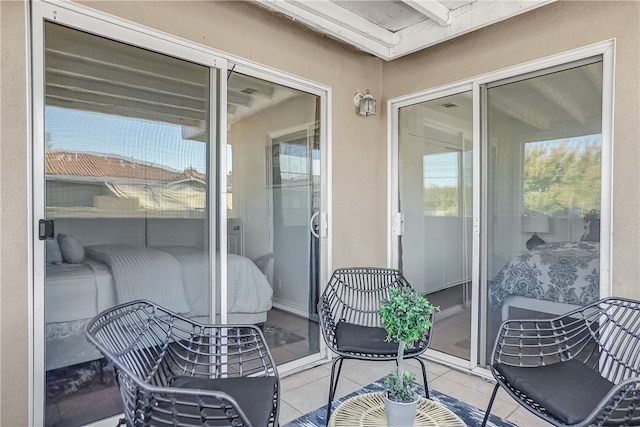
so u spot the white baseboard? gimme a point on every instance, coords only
(291, 308)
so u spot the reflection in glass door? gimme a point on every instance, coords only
(538, 196)
(436, 191)
(127, 178)
(274, 202)
(544, 160)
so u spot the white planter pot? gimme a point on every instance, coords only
(400, 414)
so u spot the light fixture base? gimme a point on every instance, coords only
(357, 97)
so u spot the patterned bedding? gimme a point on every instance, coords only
(566, 272)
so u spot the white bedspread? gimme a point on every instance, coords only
(248, 291)
(143, 273)
(177, 277)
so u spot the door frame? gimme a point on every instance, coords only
(92, 21)
(324, 93)
(479, 341)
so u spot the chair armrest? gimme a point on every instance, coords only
(536, 342)
(619, 406)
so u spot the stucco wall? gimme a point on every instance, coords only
(549, 30)
(14, 185)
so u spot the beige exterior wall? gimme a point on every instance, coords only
(553, 29)
(359, 144)
(14, 194)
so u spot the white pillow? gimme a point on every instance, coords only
(72, 250)
(53, 254)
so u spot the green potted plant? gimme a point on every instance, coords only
(405, 316)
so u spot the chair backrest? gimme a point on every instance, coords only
(613, 324)
(603, 335)
(153, 345)
(174, 371)
(354, 295)
(135, 338)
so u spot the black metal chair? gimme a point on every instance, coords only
(172, 371)
(578, 369)
(351, 325)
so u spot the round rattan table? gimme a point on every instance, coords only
(367, 410)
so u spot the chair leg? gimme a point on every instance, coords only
(333, 385)
(488, 411)
(424, 377)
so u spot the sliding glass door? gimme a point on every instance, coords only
(128, 180)
(500, 195)
(138, 195)
(544, 198)
(274, 201)
(435, 175)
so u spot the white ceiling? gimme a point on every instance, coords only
(390, 29)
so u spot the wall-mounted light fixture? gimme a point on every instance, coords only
(366, 103)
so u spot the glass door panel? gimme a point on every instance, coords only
(273, 201)
(127, 177)
(544, 158)
(436, 194)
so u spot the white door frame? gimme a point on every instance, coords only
(479, 341)
(92, 21)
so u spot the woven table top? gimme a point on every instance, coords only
(367, 410)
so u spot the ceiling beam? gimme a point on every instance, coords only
(464, 19)
(329, 18)
(519, 111)
(433, 9)
(553, 94)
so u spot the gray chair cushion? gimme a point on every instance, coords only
(253, 394)
(352, 338)
(569, 390)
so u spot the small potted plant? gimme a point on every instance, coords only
(405, 316)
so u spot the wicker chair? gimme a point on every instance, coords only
(351, 325)
(172, 371)
(578, 369)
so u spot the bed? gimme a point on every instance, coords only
(176, 277)
(551, 278)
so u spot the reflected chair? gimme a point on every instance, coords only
(578, 369)
(172, 371)
(350, 323)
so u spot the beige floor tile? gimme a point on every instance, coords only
(433, 369)
(501, 408)
(288, 413)
(524, 418)
(315, 394)
(296, 380)
(473, 397)
(476, 383)
(365, 372)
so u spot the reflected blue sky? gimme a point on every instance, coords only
(142, 140)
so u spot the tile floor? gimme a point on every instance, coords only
(305, 391)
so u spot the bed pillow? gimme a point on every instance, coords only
(72, 250)
(52, 250)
